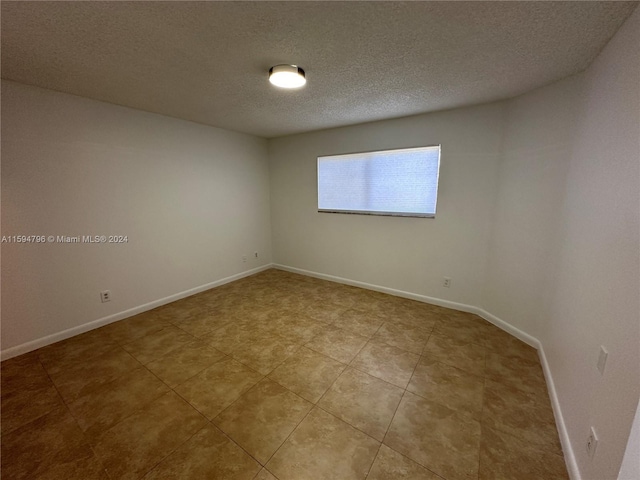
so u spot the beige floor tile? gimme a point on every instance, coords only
(212, 301)
(157, 344)
(338, 295)
(441, 439)
(51, 447)
(23, 373)
(233, 336)
(323, 312)
(264, 474)
(83, 377)
(209, 454)
(214, 298)
(261, 419)
(261, 325)
(65, 354)
(521, 414)
(448, 386)
(307, 373)
(132, 447)
(503, 456)
(361, 322)
(185, 362)
(337, 343)
(292, 301)
(218, 386)
(296, 327)
(522, 374)
(78, 464)
(363, 401)
(133, 328)
(21, 406)
(380, 304)
(253, 311)
(386, 362)
(287, 326)
(390, 465)
(203, 325)
(110, 403)
(503, 343)
(461, 331)
(181, 310)
(266, 297)
(406, 337)
(411, 313)
(461, 354)
(324, 446)
(265, 354)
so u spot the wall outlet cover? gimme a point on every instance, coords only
(592, 443)
(602, 359)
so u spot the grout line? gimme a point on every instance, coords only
(374, 461)
(66, 406)
(401, 398)
(345, 421)
(237, 444)
(317, 405)
(292, 431)
(413, 461)
(293, 294)
(176, 448)
(386, 432)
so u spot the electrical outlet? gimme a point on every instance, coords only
(255, 254)
(105, 296)
(446, 282)
(602, 359)
(592, 443)
(244, 259)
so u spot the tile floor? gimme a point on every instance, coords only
(280, 376)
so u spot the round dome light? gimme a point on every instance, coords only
(287, 76)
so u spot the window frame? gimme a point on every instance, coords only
(380, 213)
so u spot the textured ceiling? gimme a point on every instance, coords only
(208, 61)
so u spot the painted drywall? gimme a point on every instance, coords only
(407, 254)
(532, 174)
(537, 220)
(595, 299)
(564, 254)
(191, 199)
(555, 175)
(630, 468)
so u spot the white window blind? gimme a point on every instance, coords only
(400, 182)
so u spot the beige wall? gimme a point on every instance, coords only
(630, 469)
(538, 225)
(408, 254)
(564, 259)
(192, 199)
(537, 222)
(597, 276)
(538, 138)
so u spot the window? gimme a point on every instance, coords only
(400, 182)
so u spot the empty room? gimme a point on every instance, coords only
(320, 240)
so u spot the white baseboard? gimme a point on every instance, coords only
(369, 286)
(563, 433)
(570, 460)
(71, 332)
(569, 456)
(507, 327)
(525, 337)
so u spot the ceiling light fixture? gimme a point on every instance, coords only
(287, 76)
